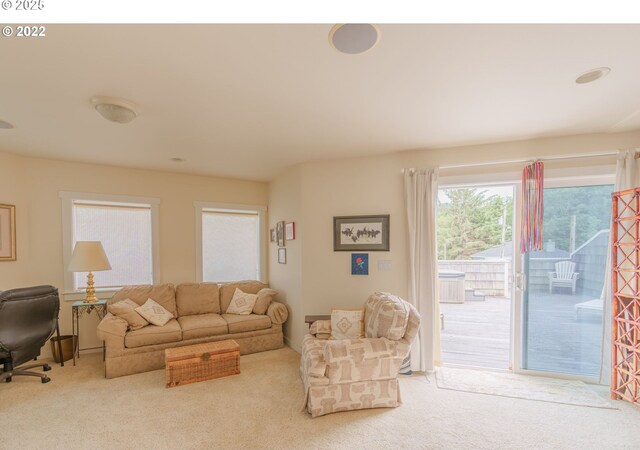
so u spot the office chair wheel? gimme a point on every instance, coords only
(46, 367)
(7, 380)
(46, 379)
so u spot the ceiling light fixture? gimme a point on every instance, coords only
(593, 75)
(353, 38)
(115, 109)
(5, 125)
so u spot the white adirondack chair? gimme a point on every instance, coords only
(564, 276)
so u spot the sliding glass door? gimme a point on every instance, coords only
(561, 303)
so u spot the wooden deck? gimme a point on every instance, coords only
(476, 333)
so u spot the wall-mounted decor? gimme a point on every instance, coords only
(359, 264)
(7, 233)
(369, 233)
(282, 255)
(290, 231)
(280, 233)
(272, 235)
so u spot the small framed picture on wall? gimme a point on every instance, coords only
(7, 233)
(280, 233)
(290, 231)
(282, 255)
(272, 235)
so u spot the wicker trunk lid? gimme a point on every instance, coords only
(200, 362)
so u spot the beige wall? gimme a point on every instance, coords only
(285, 205)
(33, 185)
(373, 185)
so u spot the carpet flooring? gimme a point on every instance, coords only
(506, 384)
(261, 408)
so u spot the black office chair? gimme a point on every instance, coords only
(28, 318)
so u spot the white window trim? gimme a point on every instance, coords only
(232, 207)
(67, 233)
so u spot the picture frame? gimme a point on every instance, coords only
(282, 255)
(361, 233)
(290, 231)
(359, 264)
(272, 235)
(7, 232)
(280, 233)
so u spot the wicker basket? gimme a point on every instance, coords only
(200, 362)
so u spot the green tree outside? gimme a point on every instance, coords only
(470, 220)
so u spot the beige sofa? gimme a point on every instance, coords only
(198, 310)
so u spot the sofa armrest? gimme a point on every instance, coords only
(278, 313)
(363, 359)
(112, 330)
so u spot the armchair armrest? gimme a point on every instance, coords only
(575, 275)
(363, 359)
(278, 313)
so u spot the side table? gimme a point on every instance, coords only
(79, 309)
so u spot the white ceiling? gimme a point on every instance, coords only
(246, 101)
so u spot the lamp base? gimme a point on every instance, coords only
(91, 292)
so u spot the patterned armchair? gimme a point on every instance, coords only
(348, 374)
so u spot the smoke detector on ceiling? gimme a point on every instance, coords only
(353, 38)
(115, 109)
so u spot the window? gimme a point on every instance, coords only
(127, 228)
(230, 242)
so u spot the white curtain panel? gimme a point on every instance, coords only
(627, 177)
(421, 194)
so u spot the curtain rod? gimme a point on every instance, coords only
(524, 160)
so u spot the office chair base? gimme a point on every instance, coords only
(8, 375)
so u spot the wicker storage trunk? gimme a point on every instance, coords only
(201, 362)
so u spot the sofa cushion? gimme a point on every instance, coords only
(155, 313)
(227, 290)
(241, 303)
(197, 298)
(125, 309)
(347, 324)
(386, 315)
(265, 296)
(163, 294)
(153, 334)
(202, 325)
(252, 322)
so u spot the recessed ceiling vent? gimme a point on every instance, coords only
(593, 75)
(353, 38)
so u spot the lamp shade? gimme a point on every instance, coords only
(88, 256)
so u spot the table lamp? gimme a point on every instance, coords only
(89, 256)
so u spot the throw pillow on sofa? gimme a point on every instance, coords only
(265, 297)
(347, 324)
(154, 313)
(242, 303)
(126, 309)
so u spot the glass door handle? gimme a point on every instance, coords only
(521, 281)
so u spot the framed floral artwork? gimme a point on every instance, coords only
(357, 233)
(359, 264)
